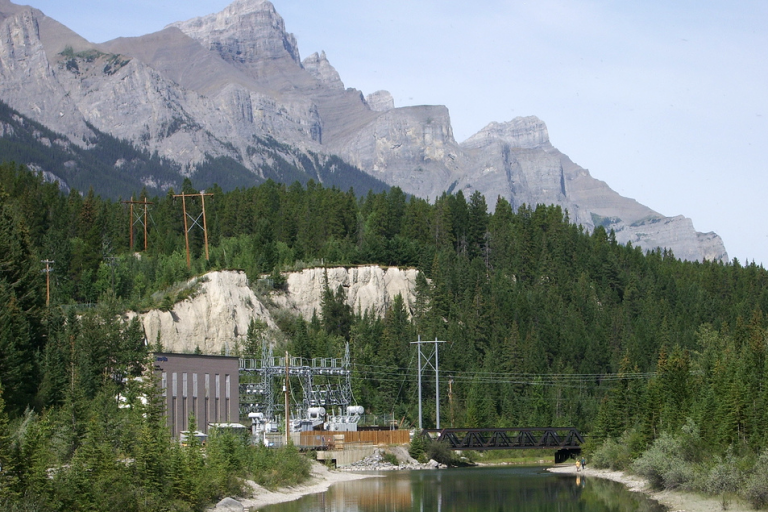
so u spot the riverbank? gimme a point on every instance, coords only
(321, 478)
(676, 501)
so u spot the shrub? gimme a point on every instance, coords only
(663, 464)
(618, 454)
(671, 461)
(756, 485)
(280, 467)
(391, 458)
(611, 454)
(441, 452)
(725, 476)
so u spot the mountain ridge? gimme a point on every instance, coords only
(215, 87)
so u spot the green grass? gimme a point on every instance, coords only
(521, 457)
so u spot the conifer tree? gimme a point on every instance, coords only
(8, 461)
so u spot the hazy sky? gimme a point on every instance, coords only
(665, 101)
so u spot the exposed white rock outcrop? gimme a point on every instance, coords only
(369, 288)
(215, 318)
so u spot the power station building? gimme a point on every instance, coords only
(206, 386)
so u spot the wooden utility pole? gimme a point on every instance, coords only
(450, 396)
(194, 222)
(144, 222)
(186, 229)
(47, 271)
(205, 225)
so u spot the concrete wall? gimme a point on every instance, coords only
(349, 455)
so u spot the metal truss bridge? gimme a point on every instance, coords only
(566, 440)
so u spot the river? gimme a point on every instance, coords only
(496, 489)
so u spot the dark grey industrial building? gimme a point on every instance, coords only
(206, 386)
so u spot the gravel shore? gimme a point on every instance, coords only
(676, 501)
(320, 480)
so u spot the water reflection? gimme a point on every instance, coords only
(475, 489)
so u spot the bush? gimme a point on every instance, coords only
(756, 485)
(612, 454)
(725, 476)
(441, 452)
(280, 467)
(391, 458)
(618, 454)
(663, 465)
(672, 461)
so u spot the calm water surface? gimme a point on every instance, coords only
(495, 489)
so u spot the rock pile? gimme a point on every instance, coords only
(377, 462)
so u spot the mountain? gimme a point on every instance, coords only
(226, 98)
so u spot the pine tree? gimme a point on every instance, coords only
(8, 478)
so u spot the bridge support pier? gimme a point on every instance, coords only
(565, 454)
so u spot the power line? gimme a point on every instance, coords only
(400, 374)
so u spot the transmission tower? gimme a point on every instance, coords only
(430, 360)
(138, 218)
(195, 221)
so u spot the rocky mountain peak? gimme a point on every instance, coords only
(9, 9)
(318, 66)
(521, 132)
(217, 86)
(246, 31)
(380, 101)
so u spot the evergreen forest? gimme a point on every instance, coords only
(660, 362)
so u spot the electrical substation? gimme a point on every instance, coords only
(322, 400)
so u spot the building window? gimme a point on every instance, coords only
(207, 403)
(217, 413)
(184, 409)
(194, 398)
(226, 395)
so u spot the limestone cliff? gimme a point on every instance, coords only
(214, 319)
(216, 316)
(370, 288)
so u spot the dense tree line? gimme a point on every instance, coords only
(545, 324)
